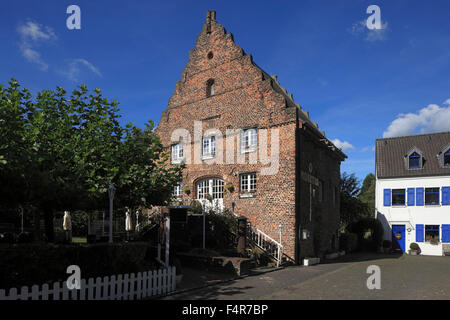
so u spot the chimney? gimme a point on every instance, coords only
(210, 16)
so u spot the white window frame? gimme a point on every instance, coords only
(209, 147)
(247, 183)
(178, 190)
(249, 140)
(177, 153)
(210, 186)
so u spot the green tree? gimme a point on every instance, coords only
(62, 153)
(352, 209)
(367, 193)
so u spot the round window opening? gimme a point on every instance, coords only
(210, 55)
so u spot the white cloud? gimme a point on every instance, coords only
(31, 35)
(360, 29)
(343, 145)
(368, 148)
(447, 101)
(75, 68)
(432, 118)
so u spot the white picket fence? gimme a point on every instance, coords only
(121, 287)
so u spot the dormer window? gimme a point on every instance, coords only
(415, 160)
(447, 158)
(210, 88)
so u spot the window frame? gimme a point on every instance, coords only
(212, 149)
(415, 155)
(178, 190)
(249, 140)
(249, 180)
(177, 149)
(397, 194)
(447, 157)
(435, 203)
(432, 230)
(210, 88)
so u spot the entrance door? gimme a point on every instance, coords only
(214, 188)
(398, 237)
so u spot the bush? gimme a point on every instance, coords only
(414, 246)
(348, 242)
(387, 244)
(40, 263)
(361, 227)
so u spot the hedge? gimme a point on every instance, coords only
(348, 242)
(29, 264)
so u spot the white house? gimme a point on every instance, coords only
(412, 196)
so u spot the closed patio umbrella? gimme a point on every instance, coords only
(67, 225)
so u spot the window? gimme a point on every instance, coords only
(177, 153)
(431, 233)
(248, 182)
(210, 88)
(213, 187)
(178, 190)
(209, 147)
(414, 161)
(431, 196)
(398, 197)
(210, 55)
(447, 158)
(248, 140)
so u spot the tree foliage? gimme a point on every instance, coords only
(60, 152)
(367, 193)
(352, 208)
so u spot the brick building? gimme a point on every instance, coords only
(234, 124)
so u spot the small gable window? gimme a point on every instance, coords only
(210, 88)
(447, 158)
(414, 160)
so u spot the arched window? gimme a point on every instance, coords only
(414, 160)
(210, 88)
(447, 158)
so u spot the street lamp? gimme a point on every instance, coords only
(111, 191)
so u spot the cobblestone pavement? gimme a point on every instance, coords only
(402, 277)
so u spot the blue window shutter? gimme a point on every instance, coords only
(419, 196)
(411, 197)
(446, 233)
(387, 197)
(419, 233)
(445, 196)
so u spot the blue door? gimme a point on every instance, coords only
(398, 237)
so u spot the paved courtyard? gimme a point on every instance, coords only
(402, 277)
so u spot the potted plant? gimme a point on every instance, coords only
(387, 244)
(434, 241)
(187, 190)
(414, 249)
(229, 187)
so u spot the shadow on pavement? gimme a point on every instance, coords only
(363, 256)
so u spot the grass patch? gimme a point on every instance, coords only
(79, 240)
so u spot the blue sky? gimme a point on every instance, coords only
(358, 84)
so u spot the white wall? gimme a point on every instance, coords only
(412, 215)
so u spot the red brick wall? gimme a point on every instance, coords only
(244, 97)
